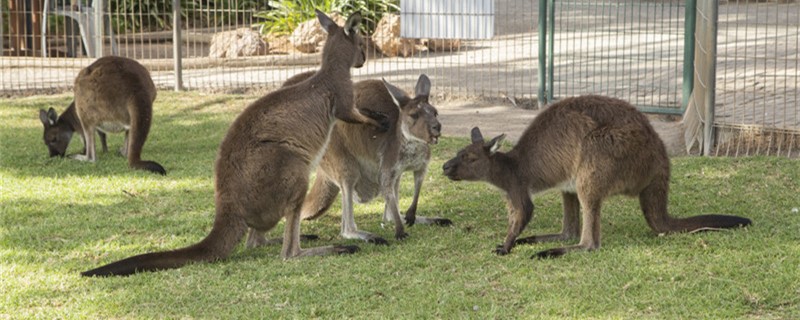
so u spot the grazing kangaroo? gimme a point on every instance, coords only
(362, 162)
(589, 147)
(265, 160)
(112, 95)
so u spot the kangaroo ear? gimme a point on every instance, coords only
(48, 117)
(51, 113)
(328, 25)
(494, 144)
(43, 117)
(477, 137)
(352, 23)
(423, 88)
(396, 93)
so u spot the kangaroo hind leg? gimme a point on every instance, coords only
(571, 223)
(349, 228)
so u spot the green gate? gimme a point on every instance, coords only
(637, 50)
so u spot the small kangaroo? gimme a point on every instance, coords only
(589, 147)
(112, 95)
(265, 160)
(362, 162)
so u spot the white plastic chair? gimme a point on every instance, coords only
(85, 17)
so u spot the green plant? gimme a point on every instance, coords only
(286, 15)
(138, 16)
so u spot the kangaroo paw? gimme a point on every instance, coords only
(551, 253)
(501, 251)
(380, 118)
(345, 249)
(378, 241)
(401, 236)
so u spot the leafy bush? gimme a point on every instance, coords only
(286, 15)
(138, 16)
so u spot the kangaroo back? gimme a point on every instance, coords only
(591, 148)
(113, 94)
(265, 159)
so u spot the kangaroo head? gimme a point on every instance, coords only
(345, 41)
(57, 134)
(418, 117)
(473, 163)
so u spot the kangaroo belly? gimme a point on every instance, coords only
(112, 127)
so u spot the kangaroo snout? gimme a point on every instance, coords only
(449, 170)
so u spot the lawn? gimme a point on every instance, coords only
(61, 216)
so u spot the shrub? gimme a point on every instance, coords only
(286, 15)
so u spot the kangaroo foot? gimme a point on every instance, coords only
(550, 253)
(345, 249)
(378, 241)
(442, 222)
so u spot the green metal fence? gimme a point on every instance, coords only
(635, 50)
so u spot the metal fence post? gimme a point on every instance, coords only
(551, 30)
(708, 131)
(177, 44)
(689, 28)
(99, 10)
(2, 45)
(542, 53)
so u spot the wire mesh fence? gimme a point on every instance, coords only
(502, 66)
(633, 50)
(757, 107)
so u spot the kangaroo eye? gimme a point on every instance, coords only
(415, 116)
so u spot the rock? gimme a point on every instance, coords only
(387, 38)
(309, 37)
(439, 45)
(237, 43)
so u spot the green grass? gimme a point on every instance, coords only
(61, 216)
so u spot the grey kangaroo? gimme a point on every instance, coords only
(265, 160)
(112, 95)
(362, 162)
(590, 148)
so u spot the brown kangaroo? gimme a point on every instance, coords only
(589, 147)
(112, 95)
(362, 162)
(266, 158)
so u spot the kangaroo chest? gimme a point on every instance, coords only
(413, 155)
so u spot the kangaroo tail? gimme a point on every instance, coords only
(220, 242)
(709, 221)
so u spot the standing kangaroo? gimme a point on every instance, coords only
(589, 147)
(362, 162)
(266, 158)
(113, 94)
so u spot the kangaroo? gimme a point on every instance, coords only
(265, 160)
(589, 147)
(112, 95)
(362, 162)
